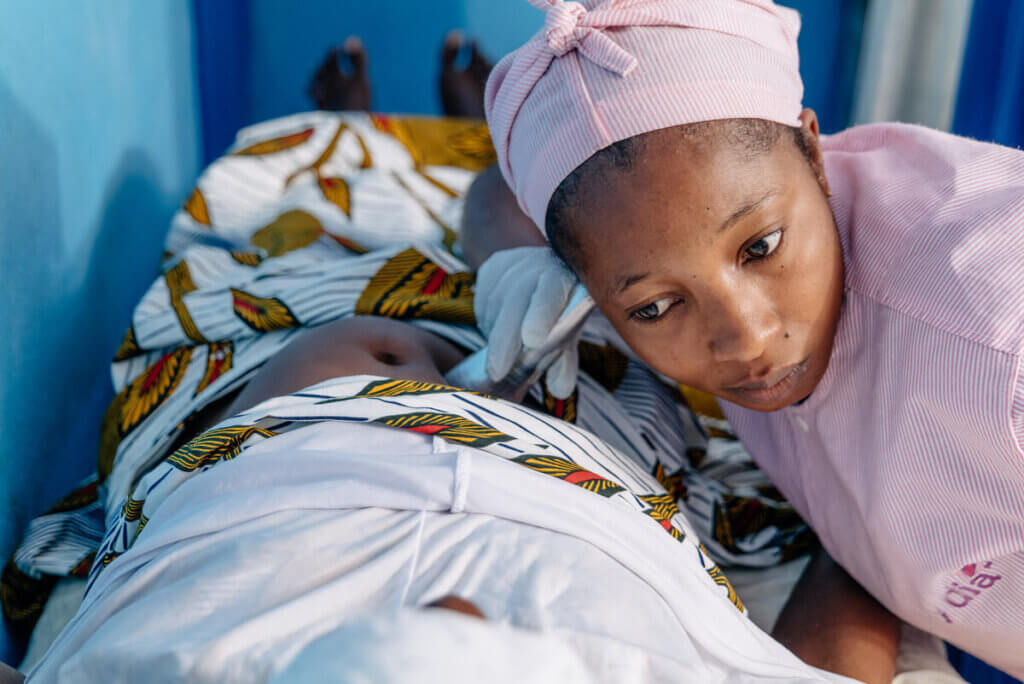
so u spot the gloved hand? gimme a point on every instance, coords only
(520, 294)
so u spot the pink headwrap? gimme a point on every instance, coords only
(601, 71)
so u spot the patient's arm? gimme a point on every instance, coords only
(834, 624)
(352, 346)
(492, 221)
(8, 675)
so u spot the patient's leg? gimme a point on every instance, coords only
(831, 622)
(492, 220)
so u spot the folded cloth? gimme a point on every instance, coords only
(366, 496)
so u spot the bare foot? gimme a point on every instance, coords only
(462, 88)
(335, 90)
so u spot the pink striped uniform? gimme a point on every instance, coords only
(907, 458)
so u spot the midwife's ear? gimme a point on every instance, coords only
(812, 143)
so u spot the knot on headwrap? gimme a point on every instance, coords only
(569, 26)
(563, 95)
(560, 26)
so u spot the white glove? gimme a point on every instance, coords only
(520, 295)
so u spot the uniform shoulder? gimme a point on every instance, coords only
(932, 225)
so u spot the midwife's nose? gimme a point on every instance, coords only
(740, 328)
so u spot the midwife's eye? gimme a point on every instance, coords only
(765, 246)
(654, 310)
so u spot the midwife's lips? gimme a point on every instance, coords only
(775, 386)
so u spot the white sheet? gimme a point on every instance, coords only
(246, 564)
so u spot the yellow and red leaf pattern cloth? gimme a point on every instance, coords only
(151, 388)
(290, 231)
(195, 206)
(412, 286)
(446, 426)
(398, 388)
(568, 471)
(128, 347)
(213, 446)
(218, 362)
(262, 314)
(462, 143)
(275, 145)
(179, 283)
(326, 215)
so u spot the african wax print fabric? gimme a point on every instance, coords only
(320, 216)
(247, 561)
(539, 442)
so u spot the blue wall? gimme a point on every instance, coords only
(256, 56)
(263, 52)
(830, 38)
(98, 132)
(990, 103)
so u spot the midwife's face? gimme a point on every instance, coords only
(719, 266)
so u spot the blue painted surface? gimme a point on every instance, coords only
(990, 103)
(403, 43)
(99, 134)
(829, 48)
(976, 671)
(256, 56)
(222, 48)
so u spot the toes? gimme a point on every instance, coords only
(356, 53)
(328, 68)
(341, 82)
(325, 80)
(479, 64)
(450, 49)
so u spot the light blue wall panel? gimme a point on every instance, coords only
(99, 143)
(285, 41)
(403, 39)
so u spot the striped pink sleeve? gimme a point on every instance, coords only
(1017, 409)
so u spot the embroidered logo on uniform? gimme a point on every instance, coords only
(975, 580)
